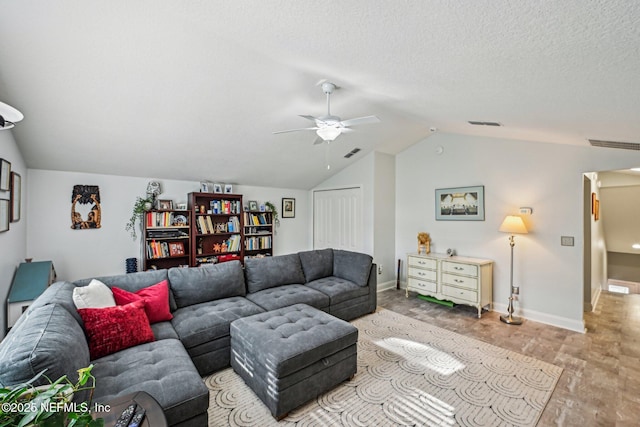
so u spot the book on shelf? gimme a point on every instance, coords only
(210, 228)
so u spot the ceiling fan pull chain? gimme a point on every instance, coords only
(328, 155)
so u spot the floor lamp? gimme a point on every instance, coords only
(513, 225)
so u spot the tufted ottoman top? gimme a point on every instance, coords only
(291, 338)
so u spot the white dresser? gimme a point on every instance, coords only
(459, 279)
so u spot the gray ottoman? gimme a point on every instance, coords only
(292, 355)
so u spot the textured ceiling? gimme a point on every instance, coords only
(194, 89)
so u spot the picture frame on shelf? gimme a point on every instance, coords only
(176, 248)
(181, 206)
(165, 205)
(16, 196)
(204, 187)
(228, 189)
(288, 207)
(253, 205)
(5, 175)
(4, 215)
(217, 188)
(460, 204)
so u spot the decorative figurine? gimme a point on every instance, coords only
(424, 243)
(217, 248)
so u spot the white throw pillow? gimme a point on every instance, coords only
(95, 295)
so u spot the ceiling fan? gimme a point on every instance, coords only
(330, 127)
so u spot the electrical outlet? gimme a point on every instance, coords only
(379, 268)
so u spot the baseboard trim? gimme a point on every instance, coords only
(546, 318)
(595, 299)
(385, 286)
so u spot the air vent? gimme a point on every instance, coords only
(484, 123)
(351, 153)
(615, 144)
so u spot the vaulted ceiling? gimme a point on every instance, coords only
(194, 90)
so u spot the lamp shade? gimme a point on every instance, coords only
(513, 224)
(328, 133)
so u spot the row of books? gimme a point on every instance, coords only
(256, 219)
(255, 243)
(165, 219)
(206, 226)
(233, 244)
(225, 206)
(157, 250)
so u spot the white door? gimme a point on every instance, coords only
(337, 219)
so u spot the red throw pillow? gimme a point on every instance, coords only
(156, 300)
(112, 329)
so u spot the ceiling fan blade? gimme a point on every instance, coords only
(360, 121)
(318, 141)
(294, 130)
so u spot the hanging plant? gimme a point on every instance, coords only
(141, 206)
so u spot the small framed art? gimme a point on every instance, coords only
(16, 196)
(228, 189)
(176, 248)
(217, 188)
(253, 205)
(460, 204)
(4, 215)
(288, 207)
(165, 204)
(5, 175)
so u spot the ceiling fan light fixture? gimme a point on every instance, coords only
(328, 133)
(9, 116)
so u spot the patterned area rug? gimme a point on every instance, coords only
(409, 373)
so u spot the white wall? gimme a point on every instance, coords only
(79, 254)
(599, 272)
(546, 177)
(13, 246)
(375, 174)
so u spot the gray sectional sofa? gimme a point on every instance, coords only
(204, 301)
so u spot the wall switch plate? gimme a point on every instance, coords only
(526, 211)
(566, 240)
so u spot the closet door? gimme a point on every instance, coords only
(337, 219)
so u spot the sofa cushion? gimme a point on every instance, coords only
(206, 283)
(269, 272)
(48, 338)
(161, 368)
(155, 298)
(208, 321)
(60, 293)
(353, 266)
(95, 295)
(338, 289)
(283, 296)
(317, 263)
(134, 282)
(112, 329)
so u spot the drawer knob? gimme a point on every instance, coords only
(458, 268)
(421, 262)
(458, 281)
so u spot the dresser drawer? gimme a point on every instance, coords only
(461, 281)
(463, 294)
(458, 268)
(422, 274)
(421, 286)
(415, 261)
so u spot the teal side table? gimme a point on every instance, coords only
(31, 279)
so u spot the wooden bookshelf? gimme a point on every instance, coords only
(216, 228)
(258, 233)
(167, 239)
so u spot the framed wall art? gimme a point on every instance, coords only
(460, 204)
(4, 215)
(288, 207)
(5, 175)
(16, 196)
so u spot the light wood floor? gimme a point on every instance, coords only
(600, 384)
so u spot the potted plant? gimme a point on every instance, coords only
(274, 212)
(139, 208)
(49, 405)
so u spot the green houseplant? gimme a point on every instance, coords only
(139, 208)
(49, 405)
(271, 207)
